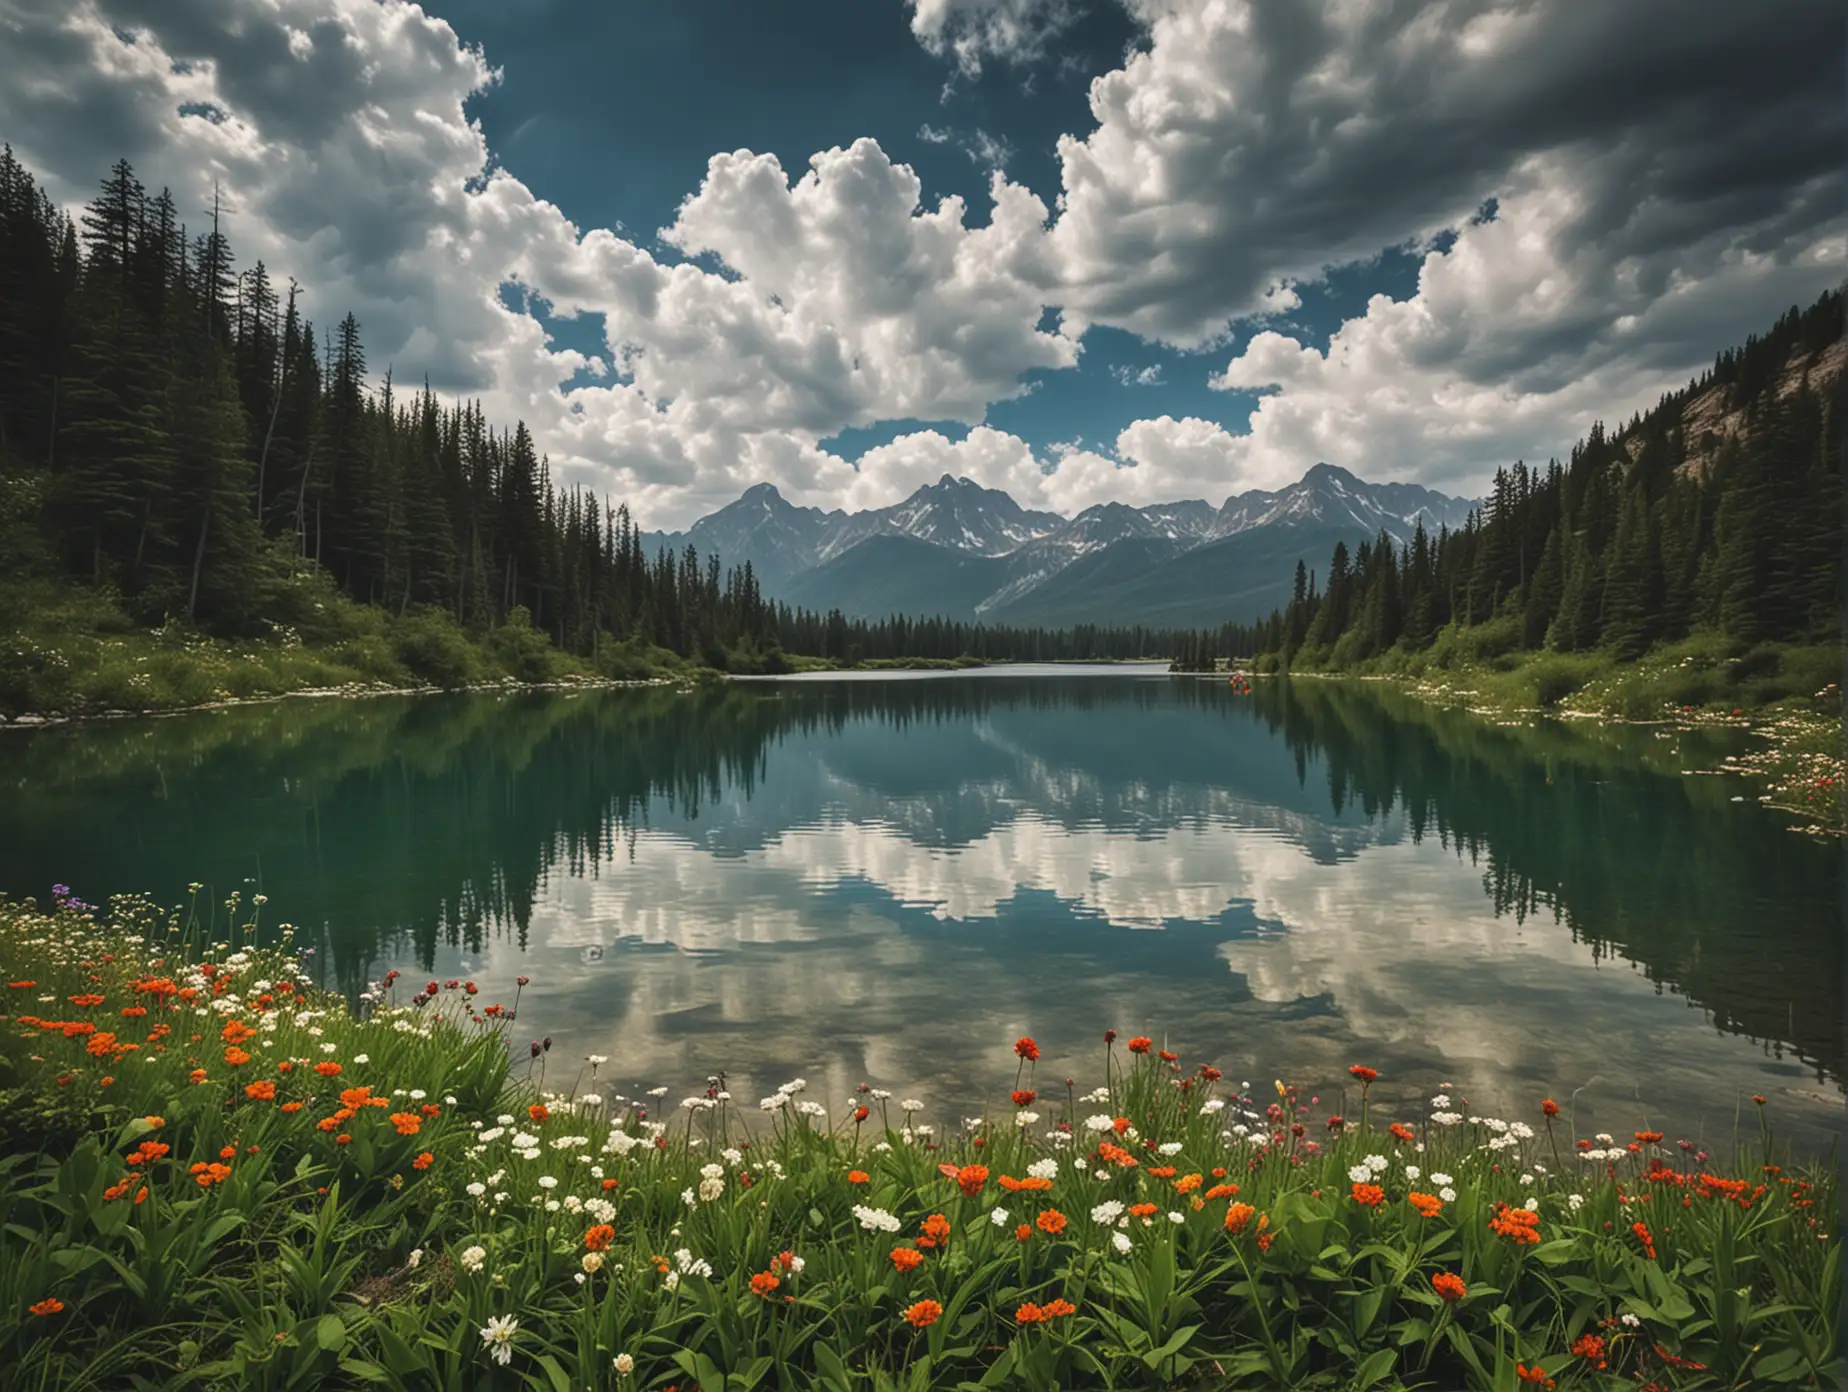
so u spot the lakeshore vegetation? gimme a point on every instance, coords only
(217, 1176)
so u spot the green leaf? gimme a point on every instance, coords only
(365, 1372)
(1156, 1357)
(1375, 1366)
(559, 1381)
(330, 1333)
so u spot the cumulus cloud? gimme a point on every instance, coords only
(1251, 145)
(1665, 178)
(968, 32)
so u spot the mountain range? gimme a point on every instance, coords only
(958, 549)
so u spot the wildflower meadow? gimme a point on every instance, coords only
(213, 1175)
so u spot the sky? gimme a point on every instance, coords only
(1083, 250)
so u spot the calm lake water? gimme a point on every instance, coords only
(888, 878)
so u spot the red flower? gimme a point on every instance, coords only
(1450, 1286)
(538, 1111)
(1335, 1123)
(1026, 1049)
(1549, 1108)
(861, 1114)
(423, 1161)
(1167, 1057)
(1364, 1073)
(1401, 1132)
(1141, 1044)
(1023, 1097)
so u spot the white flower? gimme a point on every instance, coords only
(1377, 1163)
(875, 1219)
(1440, 1102)
(1447, 1194)
(1573, 1201)
(1360, 1174)
(774, 1102)
(503, 1120)
(623, 1364)
(911, 1104)
(1120, 1241)
(601, 1209)
(414, 1257)
(1412, 1172)
(329, 1048)
(671, 1280)
(1521, 1129)
(547, 1182)
(813, 1109)
(998, 1217)
(1631, 1320)
(880, 1094)
(477, 1189)
(1527, 1179)
(1176, 1218)
(1044, 1169)
(1446, 1118)
(473, 1257)
(592, 1262)
(498, 1336)
(1439, 1177)
(1099, 1123)
(1212, 1105)
(793, 1086)
(711, 1171)
(362, 1058)
(691, 1265)
(1025, 1118)
(1168, 1148)
(731, 1157)
(1107, 1212)
(1101, 1175)
(579, 1277)
(687, 1197)
(1604, 1136)
(1532, 1205)
(710, 1189)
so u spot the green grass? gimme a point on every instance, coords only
(71, 651)
(1790, 694)
(1182, 1235)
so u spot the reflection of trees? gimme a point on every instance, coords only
(440, 819)
(1658, 870)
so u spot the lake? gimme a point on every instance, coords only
(888, 877)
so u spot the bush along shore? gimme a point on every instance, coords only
(213, 1175)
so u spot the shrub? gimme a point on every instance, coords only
(431, 646)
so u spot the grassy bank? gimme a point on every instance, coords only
(217, 1177)
(1787, 695)
(67, 651)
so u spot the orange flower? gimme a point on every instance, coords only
(133, 1012)
(235, 1032)
(1237, 1216)
(1162, 1172)
(327, 1068)
(1141, 1044)
(1536, 1375)
(1401, 1132)
(290, 1107)
(1369, 1194)
(858, 1177)
(343, 1139)
(236, 1057)
(1023, 1097)
(922, 1313)
(89, 998)
(408, 1123)
(1590, 1347)
(1026, 1049)
(423, 1161)
(356, 1097)
(101, 1044)
(1648, 1137)
(971, 1178)
(598, 1239)
(147, 1153)
(1449, 1286)
(538, 1111)
(1428, 1205)
(1055, 1308)
(20, 985)
(210, 1174)
(906, 1258)
(155, 1122)
(116, 1191)
(1643, 1235)
(1517, 1225)
(1187, 1183)
(1029, 1314)
(786, 1260)
(1143, 1210)
(264, 1091)
(1364, 1073)
(228, 1153)
(50, 1305)
(1116, 1155)
(764, 1282)
(936, 1229)
(1050, 1221)
(610, 1184)
(1023, 1232)
(1222, 1191)
(1549, 1108)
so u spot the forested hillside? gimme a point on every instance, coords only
(1718, 511)
(177, 438)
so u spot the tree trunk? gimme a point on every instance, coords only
(192, 599)
(269, 434)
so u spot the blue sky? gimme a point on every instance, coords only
(1189, 247)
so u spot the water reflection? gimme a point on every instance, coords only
(882, 880)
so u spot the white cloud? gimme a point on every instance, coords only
(1244, 151)
(971, 31)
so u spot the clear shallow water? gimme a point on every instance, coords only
(888, 880)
